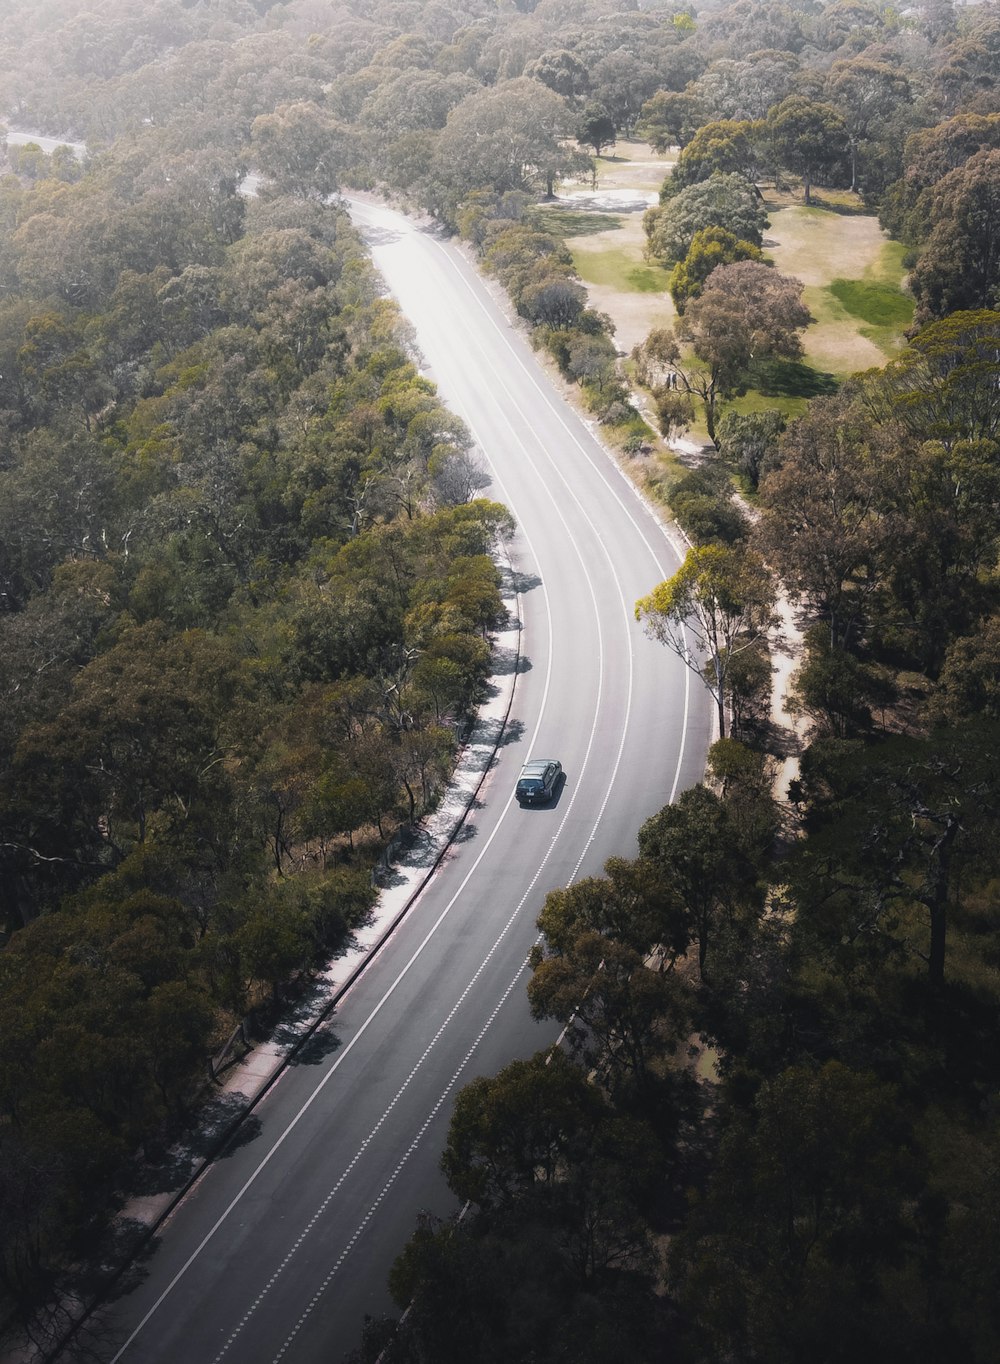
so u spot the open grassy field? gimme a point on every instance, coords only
(851, 273)
(852, 276)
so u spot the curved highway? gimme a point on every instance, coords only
(283, 1246)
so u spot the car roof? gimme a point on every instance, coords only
(536, 766)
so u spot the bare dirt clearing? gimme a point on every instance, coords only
(818, 246)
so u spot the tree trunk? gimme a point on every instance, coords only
(937, 904)
(807, 187)
(710, 418)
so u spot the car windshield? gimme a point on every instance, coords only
(529, 784)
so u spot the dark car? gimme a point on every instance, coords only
(538, 780)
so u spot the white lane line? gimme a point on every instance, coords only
(501, 328)
(316, 1298)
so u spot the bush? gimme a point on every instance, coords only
(703, 504)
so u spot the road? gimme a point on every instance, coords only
(283, 1246)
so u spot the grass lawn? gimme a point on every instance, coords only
(634, 164)
(877, 300)
(852, 277)
(620, 269)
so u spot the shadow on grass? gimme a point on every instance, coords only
(848, 208)
(566, 222)
(880, 305)
(790, 379)
(645, 279)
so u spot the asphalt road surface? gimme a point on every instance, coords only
(283, 1246)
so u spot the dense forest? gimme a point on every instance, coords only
(246, 593)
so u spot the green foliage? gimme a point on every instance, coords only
(536, 270)
(226, 504)
(710, 247)
(724, 200)
(670, 118)
(596, 128)
(247, 603)
(969, 684)
(723, 147)
(837, 688)
(698, 851)
(808, 136)
(747, 442)
(702, 502)
(721, 599)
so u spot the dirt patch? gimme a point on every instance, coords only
(835, 348)
(817, 246)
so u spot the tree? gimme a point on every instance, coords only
(622, 82)
(723, 200)
(969, 684)
(710, 247)
(959, 266)
(836, 687)
(596, 128)
(547, 295)
(747, 441)
(301, 149)
(795, 1247)
(769, 303)
(746, 86)
(825, 511)
(670, 119)
(507, 138)
(899, 837)
(273, 943)
(808, 136)
(725, 147)
(140, 738)
(745, 312)
(630, 904)
(695, 848)
(721, 601)
(415, 100)
(519, 1129)
(562, 72)
(944, 385)
(867, 93)
(620, 1016)
(928, 156)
